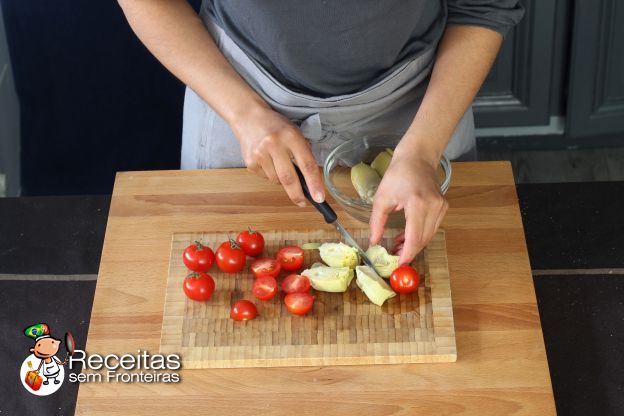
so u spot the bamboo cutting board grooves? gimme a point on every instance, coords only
(343, 328)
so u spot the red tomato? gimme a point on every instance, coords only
(198, 257)
(299, 303)
(404, 279)
(243, 310)
(295, 283)
(264, 288)
(291, 258)
(198, 286)
(251, 242)
(265, 267)
(230, 257)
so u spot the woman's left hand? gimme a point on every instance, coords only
(411, 184)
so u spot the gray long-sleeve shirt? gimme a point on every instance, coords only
(334, 47)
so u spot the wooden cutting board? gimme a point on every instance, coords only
(343, 328)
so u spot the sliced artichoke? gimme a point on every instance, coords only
(372, 285)
(390, 151)
(310, 246)
(384, 263)
(381, 162)
(339, 255)
(329, 279)
(365, 181)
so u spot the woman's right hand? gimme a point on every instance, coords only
(175, 34)
(269, 143)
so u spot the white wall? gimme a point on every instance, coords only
(9, 119)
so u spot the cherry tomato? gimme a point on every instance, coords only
(299, 303)
(291, 258)
(264, 288)
(404, 279)
(243, 310)
(198, 257)
(230, 257)
(265, 267)
(198, 286)
(295, 283)
(251, 242)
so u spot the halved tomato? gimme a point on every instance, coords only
(290, 258)
(295, 283)
(299, 303)
(264, 288)
(265, 267)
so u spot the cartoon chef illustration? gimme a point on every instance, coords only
(45, 349)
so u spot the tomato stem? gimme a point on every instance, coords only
(233, 243)
(198, 245)
(194, 275)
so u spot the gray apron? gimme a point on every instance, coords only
(386, 108)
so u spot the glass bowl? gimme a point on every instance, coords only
(337, 175)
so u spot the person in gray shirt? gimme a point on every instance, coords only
(271, 82)
(334, 48)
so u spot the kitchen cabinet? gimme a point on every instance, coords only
(517, 90)
(596, 89)
(92, 99)
(9, 122)
(566, 58)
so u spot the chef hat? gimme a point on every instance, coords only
(37, 331)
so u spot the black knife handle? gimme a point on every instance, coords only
(328, 213)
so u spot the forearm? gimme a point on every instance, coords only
(175, 34)
(465, 56)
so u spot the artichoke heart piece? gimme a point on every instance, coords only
(329, 279)
(384, 263)
(339, 255)
(310, 246)
(365, 181)
(381, 163)
(372, 285)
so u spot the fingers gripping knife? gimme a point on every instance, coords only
(331, 218)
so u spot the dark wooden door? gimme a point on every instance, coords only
(596, 89)
(518, 89)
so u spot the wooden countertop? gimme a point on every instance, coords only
(501, 367)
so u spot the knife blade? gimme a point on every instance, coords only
(331, 218)
(351, 242)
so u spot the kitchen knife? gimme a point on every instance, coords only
(331, 218)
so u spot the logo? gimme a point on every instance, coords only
(42, 372)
